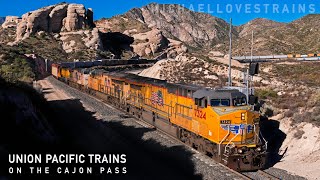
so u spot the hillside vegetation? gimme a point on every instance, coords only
(291, 89)
(14, 66)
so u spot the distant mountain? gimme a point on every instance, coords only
(2, 19)
(257, 25)
(203, 33)
(195, 29)
(299, 36)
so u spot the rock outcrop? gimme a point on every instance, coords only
(57, 15)
(180, 27)
(34, 21)
(56, 18)
(11, 21)
(76, 16)
(80, 40)
(188, 70)
(152, 42)
(177, 22)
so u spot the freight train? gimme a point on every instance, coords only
(288, 56)
(216, 121)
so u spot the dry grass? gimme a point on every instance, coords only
(310, 117)
(305, 73)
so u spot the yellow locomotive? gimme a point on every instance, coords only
(217, 122)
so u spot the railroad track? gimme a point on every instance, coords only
(267, 175)
(260, 174)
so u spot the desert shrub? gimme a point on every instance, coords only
(287, 101)
(298, 134)
(266, 93)
(304, 117)
(314, 100)
(303, 73)
(315, 116)
(289, 113)
(309, 117)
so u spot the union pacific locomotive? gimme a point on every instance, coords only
(216, 122)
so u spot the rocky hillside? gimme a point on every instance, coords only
(149, 41)
(154, 31)
(181, 27)
(196, 29)
(58, 32)
(242, 43)
(299, 36)
(205, 33)
(65, 32)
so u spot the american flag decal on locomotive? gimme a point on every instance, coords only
(157, 98)
(237, 128)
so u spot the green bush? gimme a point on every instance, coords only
(266, 93)
(18, 70)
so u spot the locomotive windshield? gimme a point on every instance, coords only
(241, 101)
(220, 102)
(221, 97)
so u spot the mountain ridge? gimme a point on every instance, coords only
(202, 31)
(160, 31)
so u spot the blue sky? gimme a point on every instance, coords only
(239, 10)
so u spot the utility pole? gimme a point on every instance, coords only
(46, 61)
(230, 53)
(248, 76)
(251, 45)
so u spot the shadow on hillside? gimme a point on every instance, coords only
(78, 131)
(275, 137)
(116, 43)
(81, 131)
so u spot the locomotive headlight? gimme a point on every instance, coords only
(240, 151)
(243, 115)
(258, 149)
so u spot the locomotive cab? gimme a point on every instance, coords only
(234, 127)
